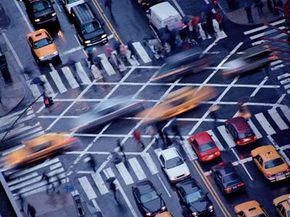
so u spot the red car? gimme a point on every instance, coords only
(240, 131)
(204, 146)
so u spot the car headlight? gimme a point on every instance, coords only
(88, 41)
(53, 14)
(148, 213)
(163, 208)
(194, 214)
(41, 58)
(210, 208)
(37, 20)
(104, 36)
(55, 52)
(173, 178)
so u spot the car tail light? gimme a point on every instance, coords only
(228, 190)
(217, 153)
(203, 158)
(239, 142)
(269, 175)
(241, 184)
(288, 170)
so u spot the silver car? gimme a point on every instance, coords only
(173, 165)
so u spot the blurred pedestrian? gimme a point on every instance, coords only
(121, 148)
(108, 4)
(108, 50)
(248, 9)
(131, 49)
(259, 5)
(168, 141)
(113, 188)
(220, 19)
(209, 22)
(92, 162)
(31, 210)
(270, 6)
(48, 183)
(161, 135)
(175, 129)
(123, 52)
(232, 4)
(21, 201)
(213, 113)
(204, 26)
(151, 132)
(117, 46)
(137, 137)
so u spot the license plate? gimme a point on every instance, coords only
(280, 177)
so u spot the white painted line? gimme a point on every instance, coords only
(34, 89)
(100, 183)
(167, 191)
(277, 119)
(96, 205)
(82, 73)
(264, 33)
(124, 173)
(58, 82)
(110, 36)
(265, 124)
(226, 136)
(86, 185)
(263, 27)
(286, 112)
(285, 75)
(107, 65)
(220, 34)
(150, 163)
(24, 17)
(285, 81)
(276, 62)
(69, 77)
(18, 131)
(96, 72)
(55, 166)
(72, 50)
(277, 67)
(215, 139)
(257, 42)
(242, 163)
(141, 52)
(137, 168)
(26, 183)
(21, 179)
(254, 128)
(188, 150)
(47, 85)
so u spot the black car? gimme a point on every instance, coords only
(193, 200)
(41, 12)
(227, 178)
(148, 200)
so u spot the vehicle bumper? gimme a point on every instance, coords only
(101, 41)
(52, 20)
(49, 58)
(180, 178)
(278, 178)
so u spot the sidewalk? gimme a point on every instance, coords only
(11, 96)
(239, 16)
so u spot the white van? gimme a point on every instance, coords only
(164, 14)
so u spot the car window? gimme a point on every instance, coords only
(248, 133)
(152, 195)
(90, 27)
(273, 163)
(42, 42)
(194, 196)
(41, 147)
(41, 5)
(206, 147)
(174, 162)
(230, 179)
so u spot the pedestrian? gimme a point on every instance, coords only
(21, 200)
(121, 148)
(213, 113)
(92, 162)
(108, 50)
(117, 46)
(161, 135)
(248, 9)
(113, 188)
(48, 183)
(131, 49)
(259, 5)
(209, 23)
(204, 24)
(220, 19)
(168, 141)
(270, 6)
(175, 129)
(232, 4)
(151, 132)
(31, 210)
(108, 4)
(123, 52)
(137, 137)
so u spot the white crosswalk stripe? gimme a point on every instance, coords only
(277, 119)
(69, 76)
(137, 168)
(82, 73)
(124, 173)
(141, 52)
(265, 124)
(87, 188)
(284, 79)
(58, 82)
(226, 136)
(107, 65)
(97, 178)
(216, 140)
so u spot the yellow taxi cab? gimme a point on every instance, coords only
(282, 205)
(250, 209)
(177, 102)
(270, 163)
(164, 214)
(38, 148)
(42, 45)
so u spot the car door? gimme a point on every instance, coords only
(259, 162)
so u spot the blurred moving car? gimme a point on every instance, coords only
(270, 163)
(164, 214)
(173, 165)
(68, 4)
(39, 148)
(148, 200)
(105, 112)
(250, 209)
(177, 102)
(41, 12)
(42, 46)
(251, 59)
(282, 205)
(240, 131)
(204, 146)
(183, 63)
(227, 178)
(193, 199)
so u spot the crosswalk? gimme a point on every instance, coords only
(146, 165)
(284, 80)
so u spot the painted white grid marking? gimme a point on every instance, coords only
(87, 188)
(285, 81)
(124, 173)
(47, 85)
(69, 76)
(82, 73)
(286, 112)
(226, 136)
(137, 168)
(100, 183)
(215, 139)
(264, 123)
(58, 82)
(107, 65)
(255, 130)
(278, 120)
(34, 89)
(285, 75)
(150, 163)
(263, 27)
(141, 52)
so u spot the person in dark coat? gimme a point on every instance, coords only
(248, 9)
(259, 5)
(31, 210)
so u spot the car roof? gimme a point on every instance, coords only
(201, 138)
(164, 10)
(187, 185)
(250, 208)
(145, 186)
(169, 153)
(38, 34)
(84, 13)
(239, 123)
(226, 169)
(267, 152)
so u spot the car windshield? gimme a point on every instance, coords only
(41, 5)
(174, 162)
(90, 27)
(248, 133)
(230, 179)
(42, 42)
(273, 163)
(194, 196)
(206, 147)
(152, 195)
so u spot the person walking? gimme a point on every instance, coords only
(151, 132)
(113, 188)
(204, 24)
(168, 141)
(209, 22)
(108, 50)
(137, 137)
(161, 135)
(31, 210)
(121, 148)
(213, 114)
(175, 129)
(220, 19)
(248, 9)
(21, 200)
(131, 48)
(108, 4)
(259, 5)
(92, 162)
(48, 183)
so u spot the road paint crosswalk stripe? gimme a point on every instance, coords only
(285, 81)
(58, 82)
(88, 189)
(265, 124)
(150, 163)
(34, 89)
(286, 112)
(141, 52)
(82, 73)
(277, 119)
(124, 173)
(47, 85)
(265, 33)
(285, 75)
(107, 65)
(137, 168)
(69, 77)
(263, 27)
(226, 136)
(255, 130)
(97, 178)
(21, 179)
(215, 139)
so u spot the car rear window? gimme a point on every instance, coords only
(40, 5)
(273, 163)
(90, 27)
(42, 42)
(41, 147)
(246, 134)
(194, 196)
(206, 147)
(148, 196)
(174, 162)
(230, 179)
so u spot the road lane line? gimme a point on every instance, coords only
(264, 27)
(141, 52)
(137, 168)
(277, 119)
(58, 82)
(82, 73)
(286, 112)
(216, 140)
(124, 173)
(100, 183)
(265, 124)
(168, 193)
(88, 189)
(69, 77)
(226, 136)
(255, 130)
(150, 163)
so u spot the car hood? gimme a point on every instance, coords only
(177, 171)
(94, 34)
(200, 205)
(45, 51)
(43, 13)
(153, 205)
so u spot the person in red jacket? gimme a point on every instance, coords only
(220, 19)
(137, 136)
